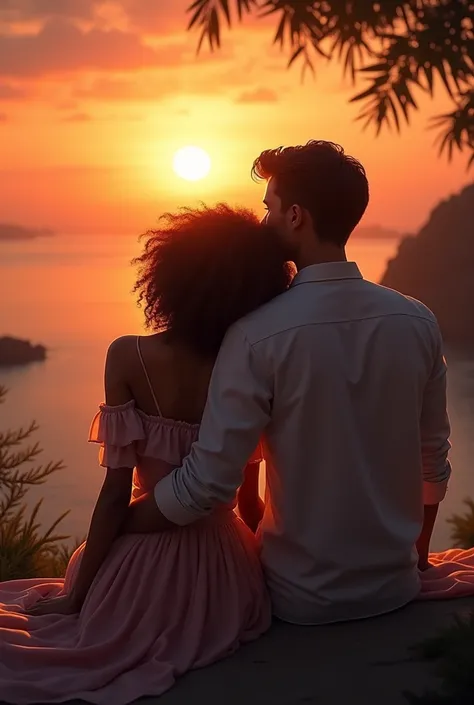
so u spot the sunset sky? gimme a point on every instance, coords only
(96, 97)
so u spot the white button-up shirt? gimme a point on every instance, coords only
(346, 381)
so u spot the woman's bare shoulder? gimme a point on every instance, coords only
(122, 346)
(125, 347)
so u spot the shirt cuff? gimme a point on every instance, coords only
(169, 505)
(434, 492)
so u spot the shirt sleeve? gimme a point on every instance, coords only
(435, 431)
(237, 410)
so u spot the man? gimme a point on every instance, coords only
(346, 381)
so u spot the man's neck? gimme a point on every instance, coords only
(322, 255)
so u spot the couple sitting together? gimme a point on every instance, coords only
(337, 383)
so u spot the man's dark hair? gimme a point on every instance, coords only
(203, 269)
(322, 179)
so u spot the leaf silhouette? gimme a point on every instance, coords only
(400, 47)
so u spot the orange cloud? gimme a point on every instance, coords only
(61, 47)
(153, 17)
(27, 10)
(258, 95)
(157, 17)
(77, 117)
(8, 92)
(136, 88)
(153, 85)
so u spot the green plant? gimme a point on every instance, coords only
(25, 550)
(453, 653)
(399, 48)
(462, 533)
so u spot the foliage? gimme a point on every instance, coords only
(25, 551)
(399, 48)
(462, 532)
(453, 652)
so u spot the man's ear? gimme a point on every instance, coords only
(296, 216)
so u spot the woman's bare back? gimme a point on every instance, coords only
(166, 379)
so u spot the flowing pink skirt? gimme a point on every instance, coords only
(162, 604)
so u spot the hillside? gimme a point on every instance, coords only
(437, 266)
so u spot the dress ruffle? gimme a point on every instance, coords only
(125, 434)
(117, 429)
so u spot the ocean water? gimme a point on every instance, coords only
(73, 295)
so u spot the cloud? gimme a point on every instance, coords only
(139, 88)
(155, 17)
(258, 95)
(77, 117)
(67, 105)
(61, 47)
(8, 92)
(28, 10)
(151, 16)
(154, 86)
(146, 88)
(3, 117)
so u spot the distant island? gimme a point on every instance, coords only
(10, 231)
(376, 232)
(15, 352)
(437, 266)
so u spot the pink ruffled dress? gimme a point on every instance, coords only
(161, 604)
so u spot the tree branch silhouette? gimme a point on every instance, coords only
(398, 49)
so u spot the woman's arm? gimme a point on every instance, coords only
(112, 504)
(249, 504)
(111, 507)
(108, 516)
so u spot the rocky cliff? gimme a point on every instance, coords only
(437, 266)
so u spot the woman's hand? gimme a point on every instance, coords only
(424, 564)
(64, 604)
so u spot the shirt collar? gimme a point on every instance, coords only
(328, 271)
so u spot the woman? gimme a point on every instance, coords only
(135, 611)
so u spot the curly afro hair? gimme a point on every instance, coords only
(204, 269)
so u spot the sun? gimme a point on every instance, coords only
(192, 163)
